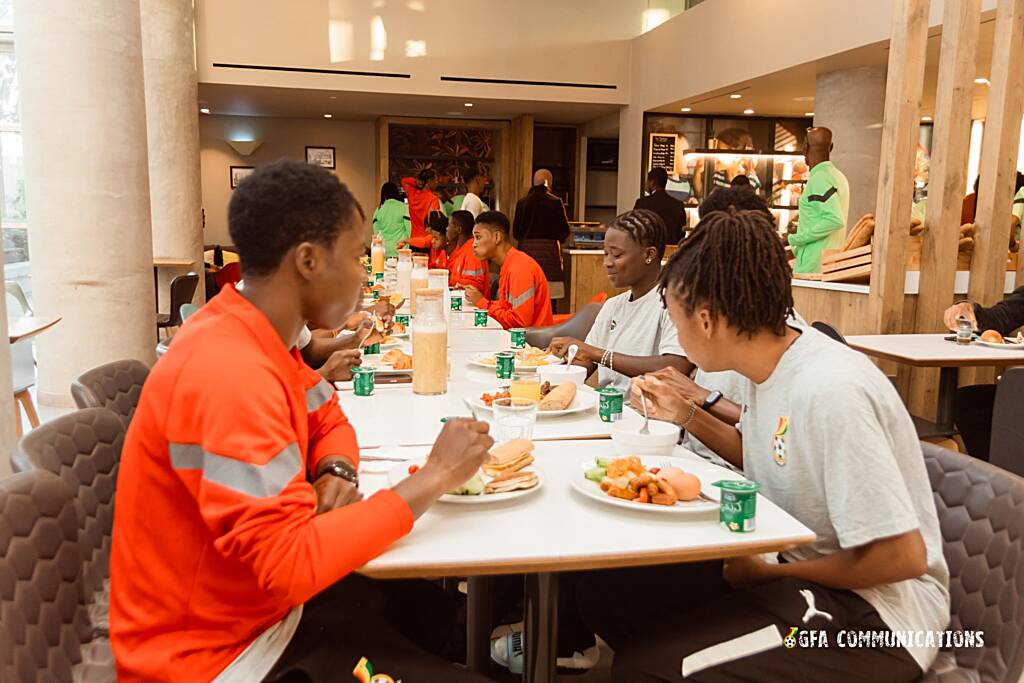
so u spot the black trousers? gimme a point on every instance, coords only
(399, 626)
(661, 622)
(973, 417)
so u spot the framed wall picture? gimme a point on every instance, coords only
(320, 156)
(238, 174)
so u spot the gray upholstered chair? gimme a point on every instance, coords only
(981, 514)
(1007, 449)
(577, 326)
(116, 386)
(84, 449)
(44, 633)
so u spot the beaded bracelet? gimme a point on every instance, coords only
(690, 416)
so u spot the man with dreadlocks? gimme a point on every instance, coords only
(825, 435)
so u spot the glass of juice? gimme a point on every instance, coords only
(525, 385)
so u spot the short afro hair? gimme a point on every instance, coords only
(659, 177)
(464, 219)
(644, 227)
(495, 220)
(283, 204)
(739, 197)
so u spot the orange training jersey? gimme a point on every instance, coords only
(216, 535)
(464, 268)
(523, 297)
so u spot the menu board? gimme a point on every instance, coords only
(662, 151)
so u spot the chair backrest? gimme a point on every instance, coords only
(183, 288)
(577, 326)
(981, 515)
(231, 273)
(14, 290)
(1007, 448)
(828, 331)
(84, 449)
(44, 620)
(116, 386)
(187, 310)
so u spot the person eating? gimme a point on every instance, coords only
(464, 268)
(826, 436)
(523, 299)
(239, 517)
(633, 333)
(439, 249)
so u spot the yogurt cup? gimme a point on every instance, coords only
(560, 374)
(738, 509)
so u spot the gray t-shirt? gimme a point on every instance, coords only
(636, 328)
(830, 442)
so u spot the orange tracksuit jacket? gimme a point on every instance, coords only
(464, 268)
(421, 203)
(523, 297)
(215, 532)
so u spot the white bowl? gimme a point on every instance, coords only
(560, 374)
(629, 441)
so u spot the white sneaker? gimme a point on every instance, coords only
(581, 661)
(507, 651)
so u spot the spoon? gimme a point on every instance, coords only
(573, 350)
(472, 410)
(646, 429)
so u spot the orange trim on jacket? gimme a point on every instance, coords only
(216, 535)
(523, 296)
(464, 268)
(421, 203)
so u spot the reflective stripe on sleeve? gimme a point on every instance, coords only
(521, 299)
(317, 395)
(246, 478)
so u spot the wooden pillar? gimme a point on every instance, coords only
(383, 164)
(961, 23)
(903, 89)
(522, 158)
(999, 155)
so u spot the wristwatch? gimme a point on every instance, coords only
(713, 398)
(340, 468)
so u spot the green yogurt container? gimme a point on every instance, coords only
(610, 402)
(480, 318)
(738, 509)
(363, 381)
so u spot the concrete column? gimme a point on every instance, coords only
(852, 102)
(172, 123)
(87, 185)
(631, 162)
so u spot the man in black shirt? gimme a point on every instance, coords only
(540, 227)
(974, 404)
(671, 210)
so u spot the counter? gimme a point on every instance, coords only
(585, 276)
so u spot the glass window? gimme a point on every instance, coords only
(6, 14)
(8, 90)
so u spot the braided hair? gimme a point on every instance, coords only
(735, 264)
(645, 228)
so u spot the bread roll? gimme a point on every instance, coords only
(861, 234)
(559, 398)
(966, 244)
(967, 230)
(917, 229)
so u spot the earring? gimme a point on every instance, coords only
(648, 261)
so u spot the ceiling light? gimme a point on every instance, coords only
(804, 98)
(415, 48)
(735, 96)
(748, 111)
(467, 104)
(685, 109)
(981, 80)
(808, 113)
(204, 110)
(926, 118)
(327, 116)
(332, 97)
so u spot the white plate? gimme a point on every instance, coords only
(400, 472)
(1006, 345)
(477, 359)
(372, 360)
(708, 501)
(584, 401)
(394, 344)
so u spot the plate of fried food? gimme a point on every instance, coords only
(393, 362)
(563, 399)
(504, 476)
(650, 483)
(529, 358)
(995, 340)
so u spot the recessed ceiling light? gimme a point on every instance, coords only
(926, 118)
(332, 97)
(735, 96)
(808, 113)
(204, 110)
(804, 98)
(467, 104)
(685, 109)
(981, 80)
(327, 116)
(748, 111)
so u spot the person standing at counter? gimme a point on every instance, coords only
(824, 205)
(523, 298)
(671, 211)
(540, 226)
(423, 200)
(391, 219)
(464, 268)
(475, 184)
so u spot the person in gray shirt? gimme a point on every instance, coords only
(829, 441)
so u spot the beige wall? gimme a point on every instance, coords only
(282, 138)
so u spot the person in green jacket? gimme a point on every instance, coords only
(391, 219)
(824, 205)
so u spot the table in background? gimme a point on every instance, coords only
(28, 326)
(935, 351)
(556, 529)
(159, 263)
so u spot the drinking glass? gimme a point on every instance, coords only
(525, 385)
(514, 418)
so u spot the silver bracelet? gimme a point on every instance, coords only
(611, 360)
(692, 414)
(604, 358)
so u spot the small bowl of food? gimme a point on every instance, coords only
(629, 441)
(562, 374)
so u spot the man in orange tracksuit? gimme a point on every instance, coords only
(464, 268)
(237, 497)
(423, 201)
(523, 299)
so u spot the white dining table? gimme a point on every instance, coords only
(558, 529)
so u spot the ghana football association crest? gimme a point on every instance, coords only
(779, 441)
(364, 673)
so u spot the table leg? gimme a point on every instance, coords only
(540, 617)
(156, 296)
(949, 379)
(478, 623)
